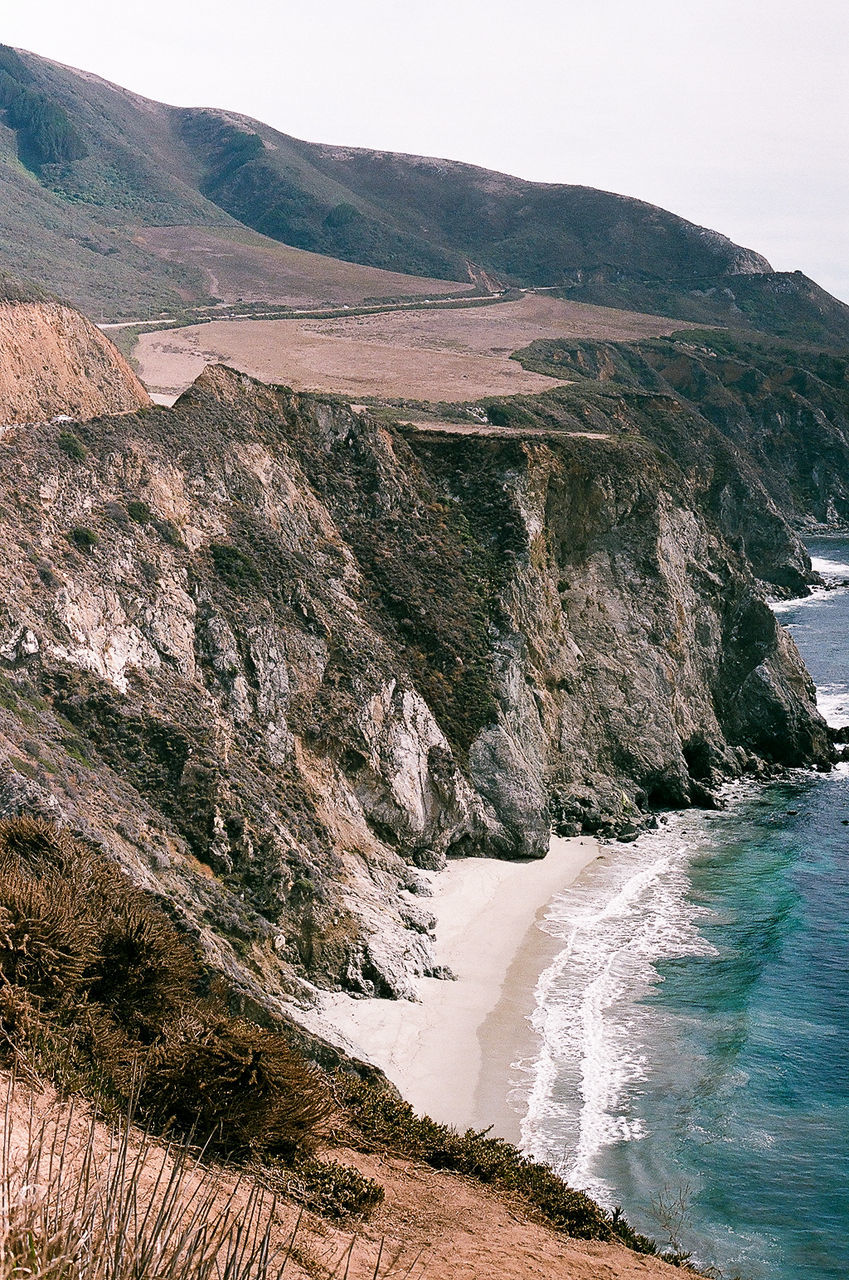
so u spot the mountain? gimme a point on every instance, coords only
(94, 167)
(277, 655)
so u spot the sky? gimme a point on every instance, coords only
(732, 113)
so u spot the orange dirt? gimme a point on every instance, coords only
(432, 1225)
(54, 361)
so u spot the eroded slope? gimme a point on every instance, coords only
(54, 361)
(278, 655)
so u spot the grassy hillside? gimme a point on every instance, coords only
(86, 164)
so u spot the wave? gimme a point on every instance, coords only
(830, 568)
(617, 922)
(818, 594)
(833, 703)
(836, 575)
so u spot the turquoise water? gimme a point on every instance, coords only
(695, 1028)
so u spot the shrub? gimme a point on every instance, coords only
(46, 574)
(169, 532)
(232, 564)
(83, 539)
(45, 133)
(328, 1188)
(145, 973)
(239, 1088)
(140, 512)
(72, 445)
(103, 990)
(44, 947)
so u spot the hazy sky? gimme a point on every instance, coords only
(732, 113)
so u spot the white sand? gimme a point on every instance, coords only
(450, 1054)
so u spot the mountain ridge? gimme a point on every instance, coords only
(149, 164)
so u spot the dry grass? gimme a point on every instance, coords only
(82, 1201)
(72, 1208)
(243, 266)
(448, 354)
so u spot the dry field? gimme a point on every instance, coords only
(459, 353)
(243, 266)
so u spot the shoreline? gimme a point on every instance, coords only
(450, 1054)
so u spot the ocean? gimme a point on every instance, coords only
(694, 1029)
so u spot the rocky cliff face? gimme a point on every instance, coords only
(54, 361)
(277, 656)
(761, 429)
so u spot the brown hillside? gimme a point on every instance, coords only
(54, 361)
(432, 1225)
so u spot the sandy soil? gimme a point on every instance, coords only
(501, 328)
(450, 1055)
(432, 1225)
(450, 354)
(55, 361)
(243, 266)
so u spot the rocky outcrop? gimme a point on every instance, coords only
(635, 660)
(279, 657)
(761, 430)
(53, 361)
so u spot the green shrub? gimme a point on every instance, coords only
(72, 445)
(75, 748)
(140, 512)
(236, 568)
(44, 131)
(83, 539)
(46, 574)
(328, 1188)
(169, 532)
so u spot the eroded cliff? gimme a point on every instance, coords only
(54, 361)
(277, 655)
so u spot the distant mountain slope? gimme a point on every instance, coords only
(85, 164)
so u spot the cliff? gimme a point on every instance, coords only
(761, 428)
(277, 655)
(54, 361)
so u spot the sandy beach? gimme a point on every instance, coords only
(450, 1054)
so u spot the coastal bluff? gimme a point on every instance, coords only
(279, 656)
(54, 361)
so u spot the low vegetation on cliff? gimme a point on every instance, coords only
(100, 987)
(102, 992)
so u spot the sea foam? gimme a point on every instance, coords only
(617, 922)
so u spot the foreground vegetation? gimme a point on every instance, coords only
(99, 989)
